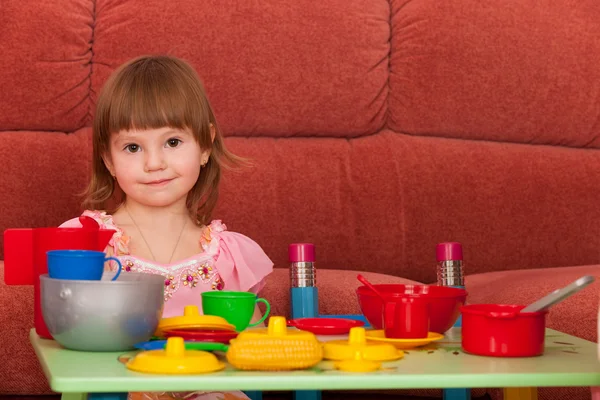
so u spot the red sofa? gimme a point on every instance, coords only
(377, 129)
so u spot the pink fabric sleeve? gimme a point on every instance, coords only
(242, 263)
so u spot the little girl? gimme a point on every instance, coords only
(157, 160)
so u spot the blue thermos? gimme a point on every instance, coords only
(304, 294)
(303, 281)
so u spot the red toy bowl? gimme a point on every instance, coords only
(499, 330)
(444, 303)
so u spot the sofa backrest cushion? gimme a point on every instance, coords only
(523, 71)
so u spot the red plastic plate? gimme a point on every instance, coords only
(202, 335)
(325, 326)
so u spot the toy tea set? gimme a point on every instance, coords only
(84, 308)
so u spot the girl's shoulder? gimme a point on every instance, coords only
(216, 238)
(241, 261)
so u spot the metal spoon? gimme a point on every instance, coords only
(559, 295)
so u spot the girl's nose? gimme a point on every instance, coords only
(154, 161)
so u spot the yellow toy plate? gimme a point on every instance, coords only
(192, 319)
(404, 344)
(174, 359)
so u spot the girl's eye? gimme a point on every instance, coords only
(173, 142)
(132, 148)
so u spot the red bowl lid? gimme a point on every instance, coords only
(202, 335)
(325, 325)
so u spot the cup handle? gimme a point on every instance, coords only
(268, 310)
(120, 266)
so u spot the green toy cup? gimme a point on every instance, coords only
(236, 307)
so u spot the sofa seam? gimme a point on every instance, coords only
(389, 67)
(91, 70)
(492, 141)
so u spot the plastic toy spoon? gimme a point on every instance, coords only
(368, 284)
(559, 295)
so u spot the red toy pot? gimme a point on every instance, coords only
(444, 303)
(499, 330)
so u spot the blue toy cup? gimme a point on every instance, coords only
(82, 265)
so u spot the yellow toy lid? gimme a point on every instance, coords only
(357, 343)
(174, 359)
(277, 328)
(192, 319)
(358, 364)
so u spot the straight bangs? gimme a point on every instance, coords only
(153, 95)
(153, 92)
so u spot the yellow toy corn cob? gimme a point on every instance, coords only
(274, 354)
(274, 349)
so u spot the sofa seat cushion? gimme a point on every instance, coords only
(20, 371)
(576, 315)
(337, 290)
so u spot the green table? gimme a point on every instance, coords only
(568, 361)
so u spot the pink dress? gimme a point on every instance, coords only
(228, 261)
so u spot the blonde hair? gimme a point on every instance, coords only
(152, 92)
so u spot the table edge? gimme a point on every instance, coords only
(310, 381)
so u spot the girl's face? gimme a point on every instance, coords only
(155, 167)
